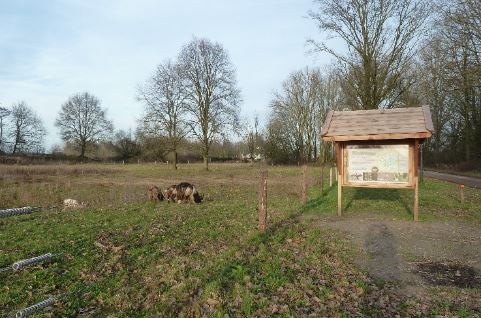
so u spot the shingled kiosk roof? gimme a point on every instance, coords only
(378, 124)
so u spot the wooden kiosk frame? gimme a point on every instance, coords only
(389, 138)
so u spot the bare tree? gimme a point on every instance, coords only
(26, 131)
(164, 102)
(461, 28)
(212, 95)
(298, 107)
(433, 82)
(253, 139)
(4, 112)
(82, 121)
(381, 38)
(463, 17)
(126, 145)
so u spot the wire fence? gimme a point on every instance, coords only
(22, 264)
(18, 211)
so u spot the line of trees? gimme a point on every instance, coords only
(450, 81)
(196, 95)
(192, 102)
(397, 53)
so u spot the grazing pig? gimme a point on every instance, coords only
(155, 194)
(171, 193)
(186, 192)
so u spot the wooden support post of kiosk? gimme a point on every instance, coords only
(339, 183)
(416, 180)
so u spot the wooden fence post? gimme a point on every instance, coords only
(340, 174)
(304, 184)
(416, 181)
(263, 201)
(461, 192)
(416, 199)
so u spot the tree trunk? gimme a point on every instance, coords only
(174, 160)
(206, 154)
(206, 162)
(17, 138)
(82, 150)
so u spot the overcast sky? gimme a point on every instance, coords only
(50, 50)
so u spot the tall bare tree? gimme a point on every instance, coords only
(433, 83)
(298, 107)
(26, 131)
(82, 121)
(381, 37)
(165, 106)
(462, 29)
(212, 95)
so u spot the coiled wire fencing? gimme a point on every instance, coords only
(22, 264)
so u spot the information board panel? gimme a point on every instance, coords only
(377, 164)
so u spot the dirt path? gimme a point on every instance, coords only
(468, 181)
(414, 254)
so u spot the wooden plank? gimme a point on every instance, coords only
(379, 186)
(327, 123)
(381, 111)
(419, 135)
(416, 157)
(397, 122)
(416, 199)
(340, 178)
(405, 122)
(339, 197)
(427, 118)
(342, 116)
(338, 155)
(411, 163)
(375, 130)
(380, 142)
(415, 126)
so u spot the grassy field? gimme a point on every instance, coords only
(126, 257)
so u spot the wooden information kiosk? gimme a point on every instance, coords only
(378, 148)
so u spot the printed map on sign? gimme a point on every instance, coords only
(377, 163)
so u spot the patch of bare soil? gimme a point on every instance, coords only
(408, 257)
(445, 274)
(405, 251)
